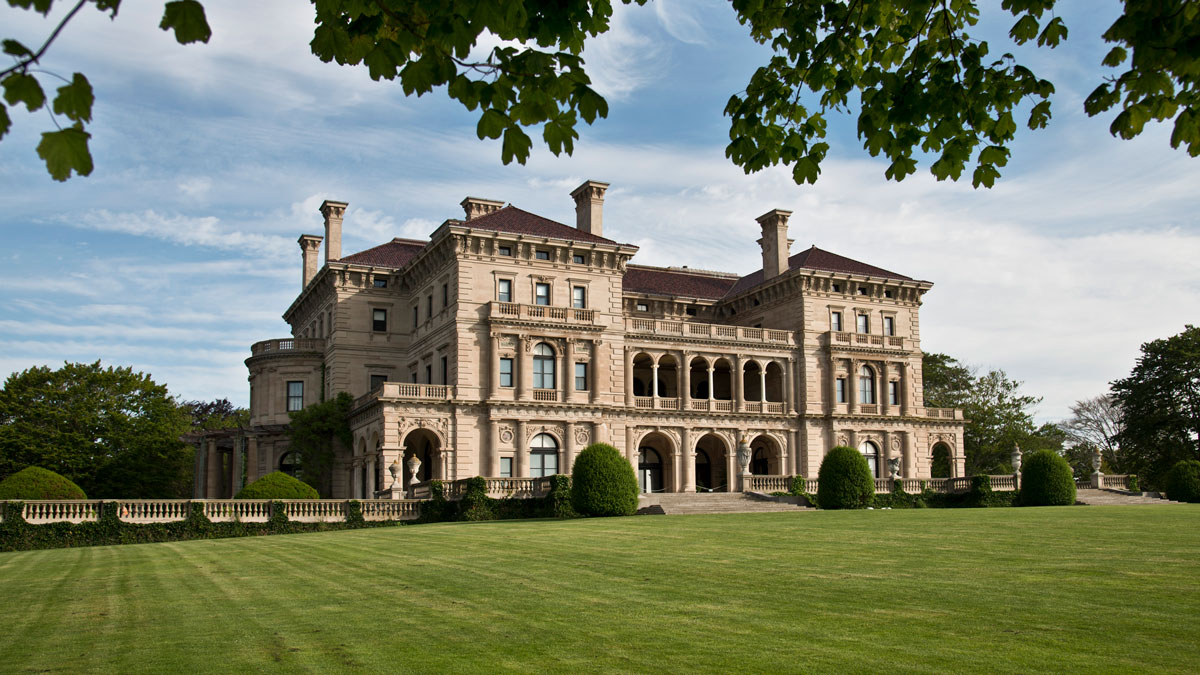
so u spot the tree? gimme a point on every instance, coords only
(923, 82)
(1160, 405)
(946, 381)
(112, 431)
(216, 414)
(1094, 425)
(315, 432)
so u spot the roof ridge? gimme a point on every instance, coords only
(688, 270)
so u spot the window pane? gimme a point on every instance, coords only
(581, 377)
(377, 380)
(505, 292)
(543, 255)
(506, 467)
(380, 283)
(295, 396)
(541, 294)
(379, 320)
(841, 390)
(863, 324)
(836, 321)
(577, 259)
(505, 250)
(578, 297)
(549, 465)
(889, 326)
(506, 372)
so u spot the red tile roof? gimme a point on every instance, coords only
(676, 282)
(818, 259)
(396, 253)
(516, 221)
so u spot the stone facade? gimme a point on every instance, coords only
(507, 342)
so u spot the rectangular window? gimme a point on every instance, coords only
(506, 250)
(543, 464)
(429, 374)
(377, 381)
(889, 325)
(541, 294)
(295, 399)
(835, 321)
(578, 297)
(506, 372)
(864, 323)
(429, 306)
(506, 467)
(581, 377)
(380, 283)
(691, 311)
(416, 316)
(893, 393)
(543, 255)
(841, 390)
(445, 370)
(504, 290)
(578, 259)
(379, 320)
(445, 295)
(643, 307)
(414, 377)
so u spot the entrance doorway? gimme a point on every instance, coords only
(703, 471)
(650, 470)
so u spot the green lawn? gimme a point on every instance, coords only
(1081, 589)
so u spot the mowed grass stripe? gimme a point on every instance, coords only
(1082, 589)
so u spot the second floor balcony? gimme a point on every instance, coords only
(709, 331)
(513, 311)
(287, 345)
(846, 340)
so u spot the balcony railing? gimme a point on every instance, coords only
(776, 483)
(865, 340)
(944, 413)
(434, 392)
(145, 511)
(714, 405)
(687, 329)
(288, 345)
(515, 311)
(545, 395)
(705, 405)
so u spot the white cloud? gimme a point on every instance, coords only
(626, 58)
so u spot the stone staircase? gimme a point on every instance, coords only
(711, 502)
(1089, 496)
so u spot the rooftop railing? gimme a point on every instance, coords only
(712, 331)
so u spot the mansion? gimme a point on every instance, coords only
(508, 342)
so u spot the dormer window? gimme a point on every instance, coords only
(862, 290)
(504, 250)
(542, 255)
(578, 259)
(380, 282)
(837, 288)
(643, 307)
(887, 293)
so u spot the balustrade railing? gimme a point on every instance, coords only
(512, 310)
(545, 395)
(944, 413)
(776, 483)
(74, 511)
(146, 511)
(437, 392)
(845, 339)
(770, 483)
(710, 330)
(152, 510)
(288, 344)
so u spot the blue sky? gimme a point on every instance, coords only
(180, 250)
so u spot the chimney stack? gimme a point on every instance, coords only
(475, 207)
(333, 212)
(589, 207)
(310, 246)
(775, 244)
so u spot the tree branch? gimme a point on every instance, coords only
(23, 64)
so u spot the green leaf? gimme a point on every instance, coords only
(1115, 57)
(65, 151)
(6, 123)
(75, 99)
(24, 88)
(516, 145)
(1055, 32)
(186, 18)
(491, 124)
(16, 49)
(1024, 30)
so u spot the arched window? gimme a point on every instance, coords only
(759, 462)
(543, 366)
(871, 452)
(543, 456)
(866, 385)
(289, 463)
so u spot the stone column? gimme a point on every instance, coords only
(852, 387)
(524, 368)
(252, 473)
(789, 387)
(689, 461)
(493, 465)
(631, 445)
(212, 484)
(794, 463)
(495, 379)
(356, 491)
(599, 366)
(732, 470)
(909, 462)
(521, 459)
(568, 458)
(628, 378)
(739, 390)
(885, 454)
(762, 385)
(831, 385)
(372, 474)
(236, 460)
(654, 380)
(710, 384)
(685, 377)
(884, 388)
(199, 470)
(905, 389)
(568, 371)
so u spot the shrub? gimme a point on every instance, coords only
(603, 483)
(1131, 483)
(277, 485)
(36, 483)
(1047, 480)
(844, 480)
(797, 487)
(475, 503)
(1183, 482)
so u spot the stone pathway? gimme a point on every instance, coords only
(1113, 497)
(710, 502)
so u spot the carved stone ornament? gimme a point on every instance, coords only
(582, 436)
(895, 443)
(506, 434)
(894, 467)
(843, 440)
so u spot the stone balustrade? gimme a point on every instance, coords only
(513, 311)
(944, 413)
(705, 405)
(147, 511)
(712, 331)
(288, 344)
(865, 340)
(777, 483)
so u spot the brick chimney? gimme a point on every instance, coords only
(775, 244)
(475, 207)
(333, 212)
(310, 247)
(589, 207)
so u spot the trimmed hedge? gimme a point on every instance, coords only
(844, 480)
(278, 485)
(1047, 480)
(1183, 482)
(603, 483)
(17, 535)
(476, 505)
(33, 483)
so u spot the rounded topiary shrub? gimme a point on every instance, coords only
(36, 483)
(1047, 480)
(278, 485)
(844, 480)
(1183, 482)
(602, 482)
